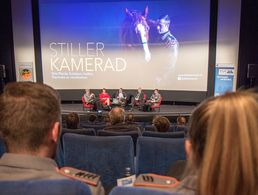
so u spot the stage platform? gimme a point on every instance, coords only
(165, 110)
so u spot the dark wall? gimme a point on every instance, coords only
(6, 41)
(248, 44)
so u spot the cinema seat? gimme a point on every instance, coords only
(2, 147)
(178, 134)
(155, 155)
(137, 191)
(106, 156)
(44, 187)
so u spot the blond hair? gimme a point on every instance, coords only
(230, 159)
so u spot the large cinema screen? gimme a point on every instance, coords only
(153, 44)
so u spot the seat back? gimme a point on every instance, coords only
(155, 155)
(44, 187)
(2, 147)
(179, 134)
(133, 134)
(106, 156)
(137, 191)
(59, 154)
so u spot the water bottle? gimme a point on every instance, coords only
(128, 171)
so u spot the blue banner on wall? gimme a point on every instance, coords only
(224, 78)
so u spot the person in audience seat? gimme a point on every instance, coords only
(30, 125)
(222, 147)
(72, 120)
(117, 122)
(161, 124)
(181, 121)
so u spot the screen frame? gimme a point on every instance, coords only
(168, 95)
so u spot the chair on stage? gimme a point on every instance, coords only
(156, 105)
(139, 103)
(106, 156)
(44, 187)
(86, 106)
(156, 155)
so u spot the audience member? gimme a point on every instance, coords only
(72, 120)
(222, 147)
(161, 123)
(117, 121)
(181, 121)
(30, 123)
(92, 118)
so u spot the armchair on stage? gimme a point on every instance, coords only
(86, 106)
(156, 105)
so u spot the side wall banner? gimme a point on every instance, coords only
(224, 78)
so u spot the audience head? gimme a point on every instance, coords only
(72, 120)
(30, 118)
(181, 120)
(161, 123)
(92, 118)
(117, 115)
(139, 90)
(223, 140)
(156, 91)
(130, 118)
(120, 90)
(104, 90)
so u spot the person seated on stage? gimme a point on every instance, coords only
(72, 120)
(221, 147)
(138, 99)
(104, 98)
(30, 123)
(89, 97)
(117, 121)
(161, 124)
(121, 97)
(154, 99)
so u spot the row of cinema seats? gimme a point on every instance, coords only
(111, 156)
(64, 187)
(133, 134)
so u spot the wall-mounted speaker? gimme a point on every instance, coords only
(252, 71)
(2, 71)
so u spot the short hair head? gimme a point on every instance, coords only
(117, 115)
(72, 120)
(164, 19)
(181, 120)
(161, 123)
(28, 113)
(92, 118)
